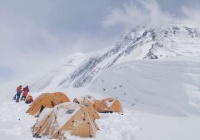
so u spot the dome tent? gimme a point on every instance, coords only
(48, 100)
(82, 99)
(108, 105)
(86, 101)
(71, 117)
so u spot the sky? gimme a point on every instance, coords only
(35, 34)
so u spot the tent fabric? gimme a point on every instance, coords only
(82, 99)
(93, 112)
(29, 98)
(71, 117)
(47, 100)
(108, 105)
(85, 102)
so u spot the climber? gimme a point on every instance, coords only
(25, 93)
(19, 91)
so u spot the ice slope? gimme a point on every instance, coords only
(169, 86)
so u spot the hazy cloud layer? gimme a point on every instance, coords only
(149, 13)
(191, 17)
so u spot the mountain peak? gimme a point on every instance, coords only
(139, 43)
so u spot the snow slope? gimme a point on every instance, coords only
(132, 125)
(168, 86)
(161, 102)
(140, 43)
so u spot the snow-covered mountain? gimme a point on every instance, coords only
(140, 43)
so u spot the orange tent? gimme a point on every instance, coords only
(29, 99)
(86, 101)
(48, 100)
(71, 117)
(108, 105)
(82, 99)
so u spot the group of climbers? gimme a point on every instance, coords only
(24, 97)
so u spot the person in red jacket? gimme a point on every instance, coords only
(25, 93)
(19, 91)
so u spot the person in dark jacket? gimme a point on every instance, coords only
(25, 93)
(19, 91)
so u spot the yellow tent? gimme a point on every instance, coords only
(29, 99)
(71, 117)
(108, 105)
(82, 99)
(48, 100)
(86, 101)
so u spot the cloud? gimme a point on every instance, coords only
(191, 17)
(23, 35)
(149, 13)
(5, 73)
(26, 47)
